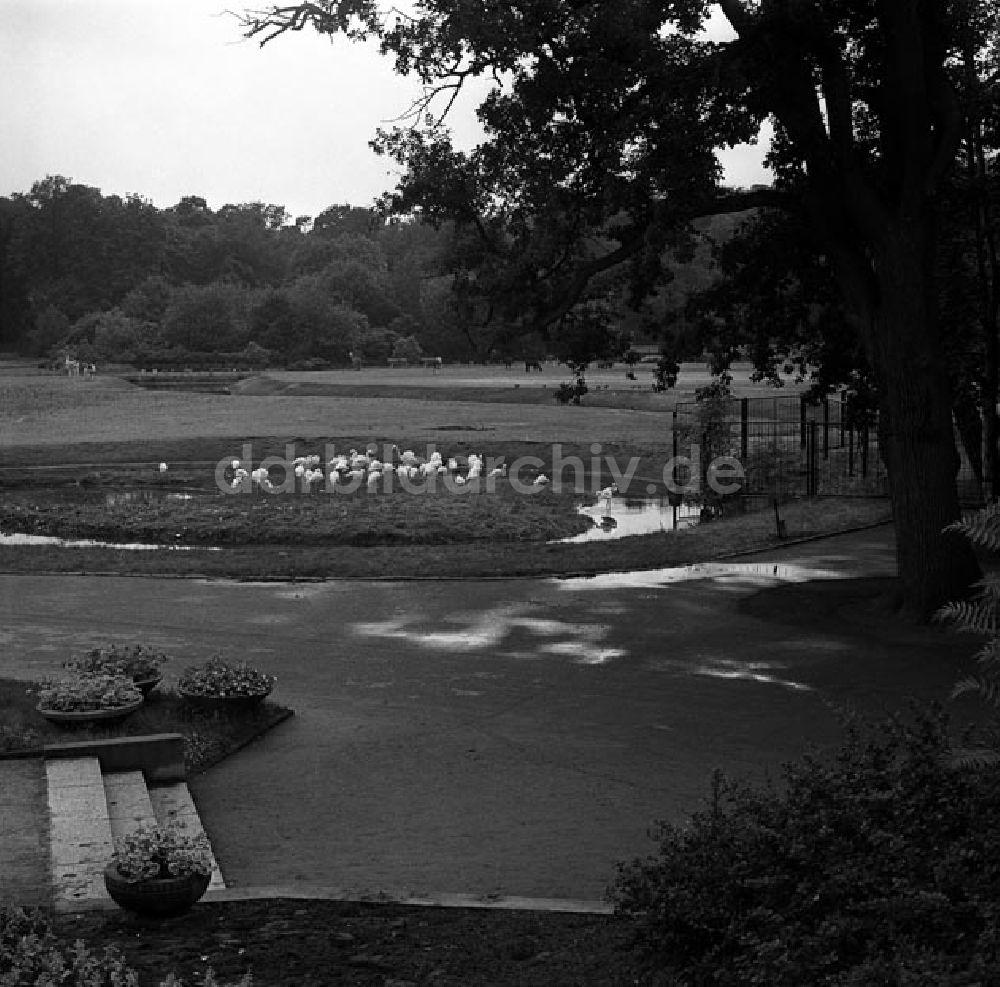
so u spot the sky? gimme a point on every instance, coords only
(165, 98)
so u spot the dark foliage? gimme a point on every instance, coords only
(878, 865)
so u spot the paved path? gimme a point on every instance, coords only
(508, 737)
(24, 832)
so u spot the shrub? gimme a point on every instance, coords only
(879, 865)
(32, 956)
(567, 393)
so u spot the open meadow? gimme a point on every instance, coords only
(81, 458)
(415, 405)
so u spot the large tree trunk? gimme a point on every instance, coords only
(917, 436)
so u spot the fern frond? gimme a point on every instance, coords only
(973, 758)
(982, 527)
(989, 656)
(986, 687)
(989, 586)
(974, 616)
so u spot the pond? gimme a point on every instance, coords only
(621, 517)
(36, 540)
(144, 497)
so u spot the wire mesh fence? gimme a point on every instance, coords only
(790, 447)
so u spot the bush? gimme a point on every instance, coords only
(31, 956)
(310, 363)
(567, 393)
(880, 865)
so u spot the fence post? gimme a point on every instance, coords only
(843, 407)
(863, 438)
(802, 422)
(826, 428)
(811, 457)
(673, 465)
(850, 452)
(744, 428)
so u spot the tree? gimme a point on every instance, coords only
(582, 170)
(67, 245)
(407, 348)
(15, 304)
(344, 219)
(207, 318)
(110, 336)
(373, 346)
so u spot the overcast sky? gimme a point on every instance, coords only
(164, 98)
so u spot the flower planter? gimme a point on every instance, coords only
(223, 703)
(155, 896)
(68, 717)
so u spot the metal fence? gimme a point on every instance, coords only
(790, 447)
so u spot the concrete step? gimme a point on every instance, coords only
(89, 810)
(129, 805)
(173, 803)
(80, 830)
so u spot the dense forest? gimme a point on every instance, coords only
(112, 279)
(117, 279)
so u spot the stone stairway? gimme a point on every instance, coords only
(91, 807)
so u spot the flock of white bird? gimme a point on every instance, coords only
(364, 468)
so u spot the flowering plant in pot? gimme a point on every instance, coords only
(159, 870)
(85, 697)
(134, 661)
(222, 680)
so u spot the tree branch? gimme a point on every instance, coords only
(325, 16)
(729, 201)
(739, 17)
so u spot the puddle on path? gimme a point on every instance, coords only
(748, 671)
(620, 517)
(736, 573)
(582, 643)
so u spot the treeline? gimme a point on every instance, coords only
(111, 279)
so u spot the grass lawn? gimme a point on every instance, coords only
(42, 410)
(373, 557)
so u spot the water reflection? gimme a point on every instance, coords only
(583, 643)
(748, 671)
(18, 539)
(143, 497)
(620, 517)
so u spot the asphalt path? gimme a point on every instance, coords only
(493, 737)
